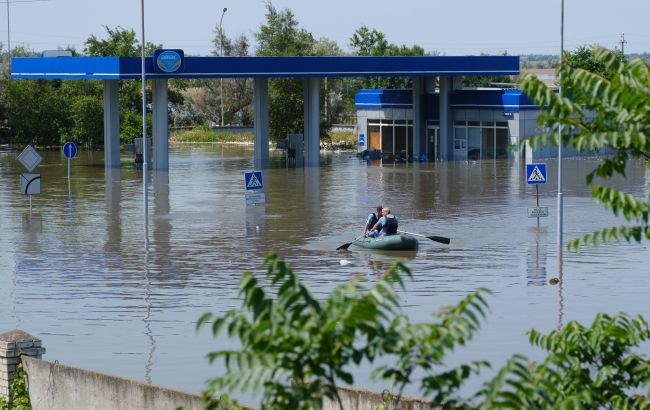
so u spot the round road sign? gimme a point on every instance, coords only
(70, 149)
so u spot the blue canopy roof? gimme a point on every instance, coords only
(121, 68)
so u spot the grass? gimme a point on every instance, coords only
(205, 134)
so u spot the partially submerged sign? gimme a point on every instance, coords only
(253, 180)
(30, 184)
(254, 198)
(254, 183)
(30, 158)
(70, 150)
(538, 212)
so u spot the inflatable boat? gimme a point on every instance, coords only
(400, 242)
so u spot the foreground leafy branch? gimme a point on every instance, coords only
(604, 108)
(595, 367)
(295, 349)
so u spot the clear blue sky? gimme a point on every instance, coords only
(453, 27)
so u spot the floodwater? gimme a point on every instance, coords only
(103, 293)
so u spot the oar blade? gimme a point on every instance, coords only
(344, 247)
(440, 239)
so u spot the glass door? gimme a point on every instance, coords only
(460, 143)
(473, 143)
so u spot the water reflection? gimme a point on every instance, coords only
(536, 257)
(113, 200)
(380, 261)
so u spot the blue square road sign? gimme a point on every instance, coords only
(535, 173)
(253, 180)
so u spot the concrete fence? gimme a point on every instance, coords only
(54, 386)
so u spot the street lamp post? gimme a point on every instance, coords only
(221, 54)
(559, 154)
(144, 118)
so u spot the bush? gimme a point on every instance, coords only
(203, 133)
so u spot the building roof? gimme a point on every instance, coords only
(490, 99)
(122, 68)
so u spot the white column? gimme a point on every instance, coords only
(111, 124)
(419, 122)
(312, 121)
(446, 130)
(261, 122)
(159, 122)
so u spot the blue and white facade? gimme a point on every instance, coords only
(459, 124)
(482, 123)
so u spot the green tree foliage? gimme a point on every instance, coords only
(123, 43)
(595, 367)
(584, 58)
(86, 112)
(607, 109)
(295, 349)
(37, 112)
(367, 42)
(203, 96)
(281, 36)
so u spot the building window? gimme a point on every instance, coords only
(475, 140)
(392, 137)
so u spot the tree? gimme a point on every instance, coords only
(281, 36)
(367, 42)
(296, 349)
(123, 43)
(37, 112)
(598, 110)
(595, 367)
(584, 58)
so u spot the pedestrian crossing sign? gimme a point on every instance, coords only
(253, 180)
(536, 173)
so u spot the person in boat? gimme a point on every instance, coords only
(372, 219)
(386, 226)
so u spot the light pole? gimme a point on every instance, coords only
(144, 117)
(225, 9)
(559, 153)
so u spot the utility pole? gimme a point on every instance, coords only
(221, 55)
(623, 41)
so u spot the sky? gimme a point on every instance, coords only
(451, 27)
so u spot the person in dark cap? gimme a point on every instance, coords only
(372, 219)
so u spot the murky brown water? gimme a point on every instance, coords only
(77, 273)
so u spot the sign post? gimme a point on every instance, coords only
(254, 185)
(30, 184)
(536, 174)
(70, 151)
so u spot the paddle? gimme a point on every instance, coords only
(345, 246)
(440, 239)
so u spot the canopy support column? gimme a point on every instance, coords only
(312, 121)
(261, 122)
(160, 125)
(446, 130)
(419, 121)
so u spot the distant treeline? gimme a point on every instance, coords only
(552, 60)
